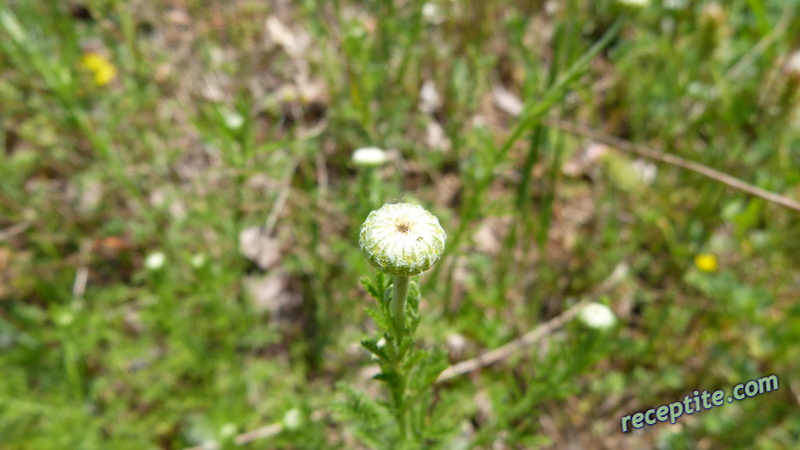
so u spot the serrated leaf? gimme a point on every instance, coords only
(413, 291)
(380, 279)
(369, 416)
(388, 294)
(390, 377)
(372, 346)
(413, 358)
(381, 320)
(370, 288)
(387, 301)
(412, 321)
(428, 366)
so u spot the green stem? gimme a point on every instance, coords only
(400, 284)
(400, 404)
(398, 311)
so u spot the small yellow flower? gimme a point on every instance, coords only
(706, 262)
(100, 67)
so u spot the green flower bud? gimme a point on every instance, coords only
(402, 239)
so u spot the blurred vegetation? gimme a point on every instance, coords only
(133, 129)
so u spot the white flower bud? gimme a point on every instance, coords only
(155, 261)
(402, 239)
(597, 315)
(198, 260)
(369, 157)
(227, 431)
(293, 419)
(634, 3)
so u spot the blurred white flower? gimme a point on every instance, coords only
(198, 260)
(507, 101)
(293, 419)
(233, 120)
(792, 66)
(456, 344)
(675, 4)
(228, 430)
(432, 14)
(369, 157)
(646, 171)
(597, 315)
(155, 261)
(641, 3)
(667, 25)
(64, 318)
(429, 100)
(713, 14)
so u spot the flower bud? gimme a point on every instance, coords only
(369, 157)
(597, 315)
(155, 261)
(402, 239)
(293, 419)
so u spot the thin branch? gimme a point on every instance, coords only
(677, 161)
(795, 389)
(277, 207)
(14, 230)
(533, 336)
(82, 274)
(259, 433)
(514, 346)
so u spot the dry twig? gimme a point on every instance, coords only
(677, 161)
(14, 230)
(535, 335)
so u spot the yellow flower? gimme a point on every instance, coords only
(706, 262)
(100, 67)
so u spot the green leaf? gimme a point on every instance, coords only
(428, 365)
(371, 418)
(372, 346)
(381, 319)
(390, 377)
(370, 288)
(413, 292)
(380, 278)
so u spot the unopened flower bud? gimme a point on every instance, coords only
(402, 239)
(597, 315)
(369, 157)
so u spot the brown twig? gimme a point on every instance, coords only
(259, 433)
(82, 274)
(277, 207)
(677, 161)
(14, 230)
(795, 389)
(533, 336)
(493, 356)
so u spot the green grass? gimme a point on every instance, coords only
(229, 115)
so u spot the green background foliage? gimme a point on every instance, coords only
(222, 116)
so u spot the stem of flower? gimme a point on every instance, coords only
(399, 297)
(400, 284)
